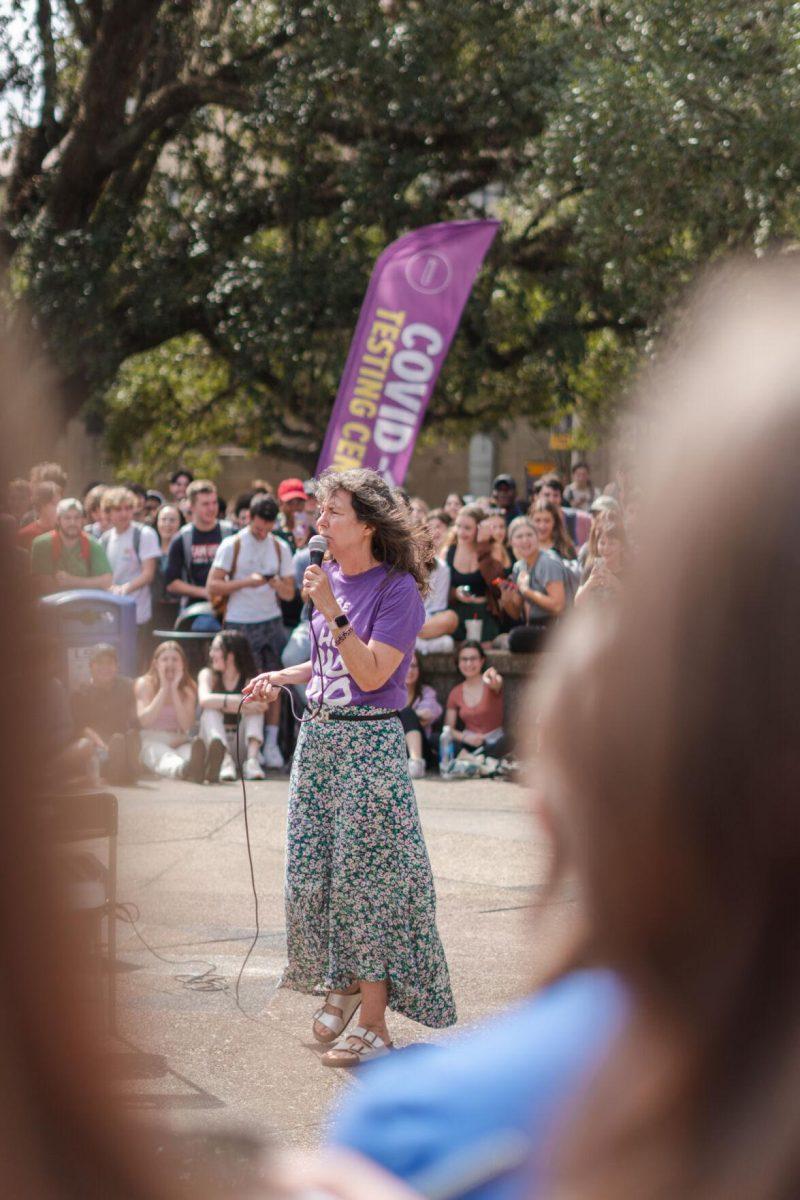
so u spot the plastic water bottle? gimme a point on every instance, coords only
(446, 750)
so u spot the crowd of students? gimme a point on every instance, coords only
(506, 570)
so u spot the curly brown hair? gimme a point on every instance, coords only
(396, 539)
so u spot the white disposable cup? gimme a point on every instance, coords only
(473, 629)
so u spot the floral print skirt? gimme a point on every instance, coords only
(360, 901)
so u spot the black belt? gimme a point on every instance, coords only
(331, 715)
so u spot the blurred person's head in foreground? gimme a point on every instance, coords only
(669, 769)
(65, 1130)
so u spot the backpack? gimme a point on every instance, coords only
(137, 539)
(220, 603)
(58, 548)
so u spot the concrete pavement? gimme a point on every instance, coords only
(207, 1064)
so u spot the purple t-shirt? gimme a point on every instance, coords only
(383, 606)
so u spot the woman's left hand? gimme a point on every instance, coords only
(316, 587)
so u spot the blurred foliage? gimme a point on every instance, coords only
(195, 244)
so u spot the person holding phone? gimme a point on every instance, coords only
(253, 570)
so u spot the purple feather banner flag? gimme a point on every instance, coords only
(410, 314)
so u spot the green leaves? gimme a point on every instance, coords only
(204, 286)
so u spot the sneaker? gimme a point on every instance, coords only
(436, 645)
(193, 769)
(228, 772)
(416, 768)
(252, 769)
(273, 758)
(116, 767)
(214, 755)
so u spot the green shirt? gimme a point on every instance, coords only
(71, 560)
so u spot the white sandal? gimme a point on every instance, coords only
(348, 1003)
(371, 1046)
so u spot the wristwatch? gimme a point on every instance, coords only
(341, 621)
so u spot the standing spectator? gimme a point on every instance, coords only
(105, 709)
(139, 497)
(96, 521)
(254, 570)
(166, 702)
(578, 523)
(475, 706)
(580, 493)
(193, 549)
(153, 501)
(228, 738)
(67, 557)
(453, 505)
(504, 495)
(179, 484)
(421, 712)
(292, 500)
(166, 605)
(46, 472)
(18, 499)
(468, 586)
(536, 590)
(239, 513)
(46, 496)
(133, 552)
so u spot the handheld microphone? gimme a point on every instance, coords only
(317, 545)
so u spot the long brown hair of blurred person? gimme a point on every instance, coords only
(670, 765)
(63, 1132)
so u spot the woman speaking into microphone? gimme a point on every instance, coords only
(360, 901)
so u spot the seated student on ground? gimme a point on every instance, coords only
(535, 593)
(420, 714)
(475, 706)
(468, 586)
(67, 558)
(166, 702)
(105, 709)
(219, 688)
(603, 582)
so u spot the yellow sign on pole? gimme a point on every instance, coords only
(560, 441)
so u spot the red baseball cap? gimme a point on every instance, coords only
(291, 489)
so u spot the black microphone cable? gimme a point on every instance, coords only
(301, 719)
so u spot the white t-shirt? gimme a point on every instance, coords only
(437, 599)
(270, 557)
(126, 566)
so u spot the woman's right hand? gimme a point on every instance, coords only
(261, 688)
